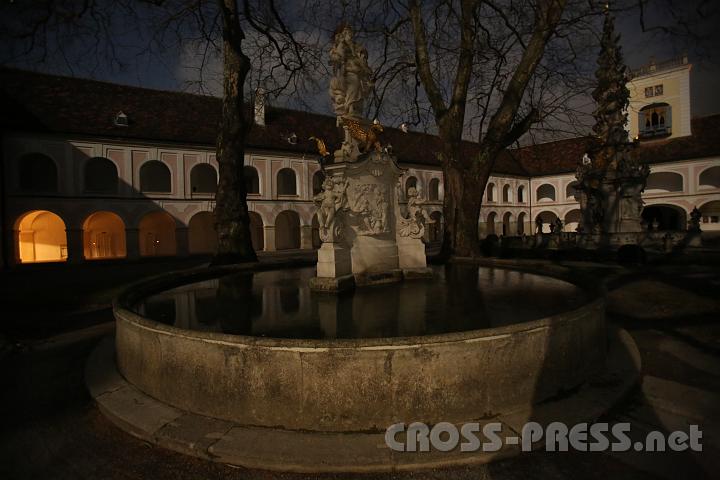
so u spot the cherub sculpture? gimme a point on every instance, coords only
(329, 201)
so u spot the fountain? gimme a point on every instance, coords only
(257, 365)
(366, 238)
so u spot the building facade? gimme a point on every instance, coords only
(119, 172)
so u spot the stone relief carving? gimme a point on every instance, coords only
(369, 204)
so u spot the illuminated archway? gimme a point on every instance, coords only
(104, 236)
(287, 230)
(41, 237)
(201, 233)
(157, 235)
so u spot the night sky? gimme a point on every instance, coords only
(172, 69)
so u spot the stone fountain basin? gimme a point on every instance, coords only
(356, 385)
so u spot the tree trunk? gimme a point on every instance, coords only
(232, 222)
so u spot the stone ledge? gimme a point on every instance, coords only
(417, 273)
(332, 285)
(313, 452)
(378, 278)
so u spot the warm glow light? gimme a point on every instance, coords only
(41, 237)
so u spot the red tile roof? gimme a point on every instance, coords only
(54, 104)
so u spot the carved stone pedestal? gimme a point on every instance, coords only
(412, 259)
(334, 269)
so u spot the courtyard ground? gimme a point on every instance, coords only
(53, 316)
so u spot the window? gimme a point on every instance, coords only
(434, 190)
(155, 177)
(101, 175)
(655, 91)
(252, 180)
(203, 179)
(286, 184)
(317, 181)
(38, 173)
(655, 121)
(411, 182)
(521, 194)
(546, 192)
(491, 192)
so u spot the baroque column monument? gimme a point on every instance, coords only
(366, 237)
(611, 179)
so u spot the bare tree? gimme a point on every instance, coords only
(94, 31)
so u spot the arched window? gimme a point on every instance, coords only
(710, 177)
(257, 233)
(546, 192)
(286, 182)
(664, 217)
(662, 182)
(710, 212)
(436, 231)
(521, 223)
(410, 182)
(252, 180)
(655, 120)
(38, 173)
(41, 237)
(157, 234)
(203, 179)
(521, 194)
(202, 237)
(572, 220)
(543, 222)
(507, 224)
(571, 191)
(155, 177)
(101, 175)
(287, 230)
(506, 194)
(491, 192)
(490, 223)
(315, 225)
(317, 181)
(434, 190)
(104, 236)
